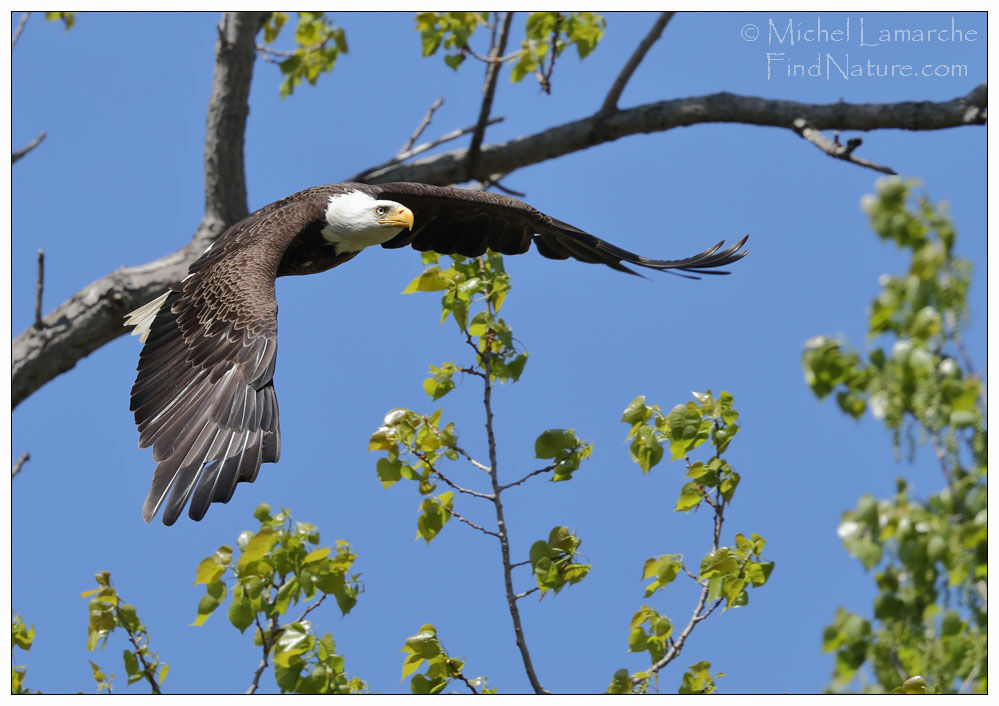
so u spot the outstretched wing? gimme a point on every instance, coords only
(204, 394)
(465, 222)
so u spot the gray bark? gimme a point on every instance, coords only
(93, 316)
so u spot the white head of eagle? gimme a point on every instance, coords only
(356, 220)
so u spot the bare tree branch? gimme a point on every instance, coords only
(505, 157)
(20, 28)
(16, 468)
(488, 91)
(93, 316)
(614, 94)
(15, 156)
(419, 149)
(39, 287)
(529, 475)
(420, 128)
(471, 524)
(836, 149)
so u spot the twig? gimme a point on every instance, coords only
(614, 94)
(39, 284)
(520, 563)
(311, 608)
(545, 79)
(834, 148)
(419, 149)
(529, 475)
(421, 127)
(16, 468)
(147, 671)
(488, 91)
(468, 457)
(457, 674)
(266, 646)
(473, 525)
(457, 448)
(20, 28)
(467, 371)
(526, 593)
(27, 148)
(494, 180)
(423, 457)
(692, 575)
(511, 599)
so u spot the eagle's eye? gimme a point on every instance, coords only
(380, 210)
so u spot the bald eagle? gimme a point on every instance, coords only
(204, 395)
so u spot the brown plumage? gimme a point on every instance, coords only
(204, 394)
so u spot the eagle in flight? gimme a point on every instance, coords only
(204, 395)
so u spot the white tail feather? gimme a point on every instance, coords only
(142, 318)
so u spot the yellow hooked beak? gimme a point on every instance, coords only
(400, 217)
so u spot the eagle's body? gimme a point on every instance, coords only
(204, 395)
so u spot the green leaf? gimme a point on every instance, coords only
(430, 280)
(620, 682)
(241, 614)
(636, 412)
(257, 547)
(206, 606)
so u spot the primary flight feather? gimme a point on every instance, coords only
(204, 394)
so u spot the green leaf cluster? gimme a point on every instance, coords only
(650, 632)
(108, 612)
(548, 34)
(698, 679)
(729, 571)
(20, 636)
(565, 449)
(450, 29)
(414, 444)
(684, 428)
(928, 633)
(281, 564)
(424, 648)
(467, 282)
(555, 563)
(319, 43)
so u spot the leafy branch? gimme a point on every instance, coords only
(726, 573)
(108, 612)
(415, 445)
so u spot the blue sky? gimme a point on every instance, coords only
(119, 181)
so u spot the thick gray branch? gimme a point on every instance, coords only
(93, 316)
(76, 328)
(447, 168)
(225, 175)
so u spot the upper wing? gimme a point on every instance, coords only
(466, 222)
(204, 394)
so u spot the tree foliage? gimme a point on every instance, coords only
(928, 633)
